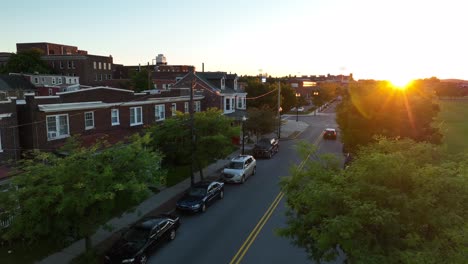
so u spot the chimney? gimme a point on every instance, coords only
(203, 67)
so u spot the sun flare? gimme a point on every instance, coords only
(400, 84)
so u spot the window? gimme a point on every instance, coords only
(76, 80)
(94, 64)
(115, 117)
(95, 78)
(53, 80)
(42, 80)
(69, 64)
(100, 77)
(159, 112)
(59, 80)
(228, 104)
(174, 109)
(110, 77)
(239, 102)
(73, 64)
(53, 64)
(89, 120)
(57, 126)
(233, 105)
(51, 92)
(109, 67)
(223, 83)
(105, 75)
(186, 107)
(105, 66)
(244, 102)
(136, 117)
(61, 65)
(197, 106)
(36, 80)
(99, 65)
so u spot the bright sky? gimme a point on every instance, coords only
(379, 39)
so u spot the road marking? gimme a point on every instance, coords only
(245, 246)
(254, 233)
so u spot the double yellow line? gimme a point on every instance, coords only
(253, 235)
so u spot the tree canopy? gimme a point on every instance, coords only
(139, 80)
(213, 135)
(26, 62)
(399, 202)
(59, 198)
(266, 97)
(261, 121)
(372, 108)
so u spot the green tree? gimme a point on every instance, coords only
(71, 197)
(140, 80)
(374, 108)
(399, 202)
(213, 134)
(27, 62)
(261, 121)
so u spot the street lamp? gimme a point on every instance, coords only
(316, 93)
(297, 106)
(243, 133)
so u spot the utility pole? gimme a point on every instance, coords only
(279, 110)
(192, 133)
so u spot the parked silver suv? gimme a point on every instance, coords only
(239, 169)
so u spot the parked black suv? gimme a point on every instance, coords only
(266, 147)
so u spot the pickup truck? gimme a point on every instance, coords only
(266, 147)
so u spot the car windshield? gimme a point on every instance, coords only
(197, 192)
(236, 165)
(136, 234)
(264, 141)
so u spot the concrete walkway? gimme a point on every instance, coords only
(289, 128)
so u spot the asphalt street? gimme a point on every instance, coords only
(241, 227)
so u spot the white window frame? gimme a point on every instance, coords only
(174, 109)
(57, 134)
(158, 114)
(36, 80)
(197, 106)
(53, 80)
(99, 65)
(227, 102)
(86, 119)
(186, 107)
(109, 67)
(59, 80)
(115, 111)
(138, 119)
(94, 64)
(73, 64)
(105, 66)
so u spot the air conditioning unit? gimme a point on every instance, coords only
(51, 134)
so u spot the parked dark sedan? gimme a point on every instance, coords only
(140, 239)
(198, 197)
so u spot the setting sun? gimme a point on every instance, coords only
(400, 84)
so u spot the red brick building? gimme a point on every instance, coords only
(47, 121)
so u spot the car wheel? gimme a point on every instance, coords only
(221, 194)
(270, 155)
(143, 259)
(172, 235)
(254, 170)
(203, 208)
(243, 179)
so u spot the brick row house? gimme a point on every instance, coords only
(96, 112)
(221, 90)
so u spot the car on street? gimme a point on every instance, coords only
(138, 241)
(200, 196)
(239, 168)
(329, 133)
(300, 109)
(266, 148)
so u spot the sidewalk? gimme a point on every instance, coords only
(288, 128)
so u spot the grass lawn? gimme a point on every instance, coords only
(453, 123)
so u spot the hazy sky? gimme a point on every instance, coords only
(395, 40)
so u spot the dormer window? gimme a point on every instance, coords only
(223, 83)
(235, 84)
